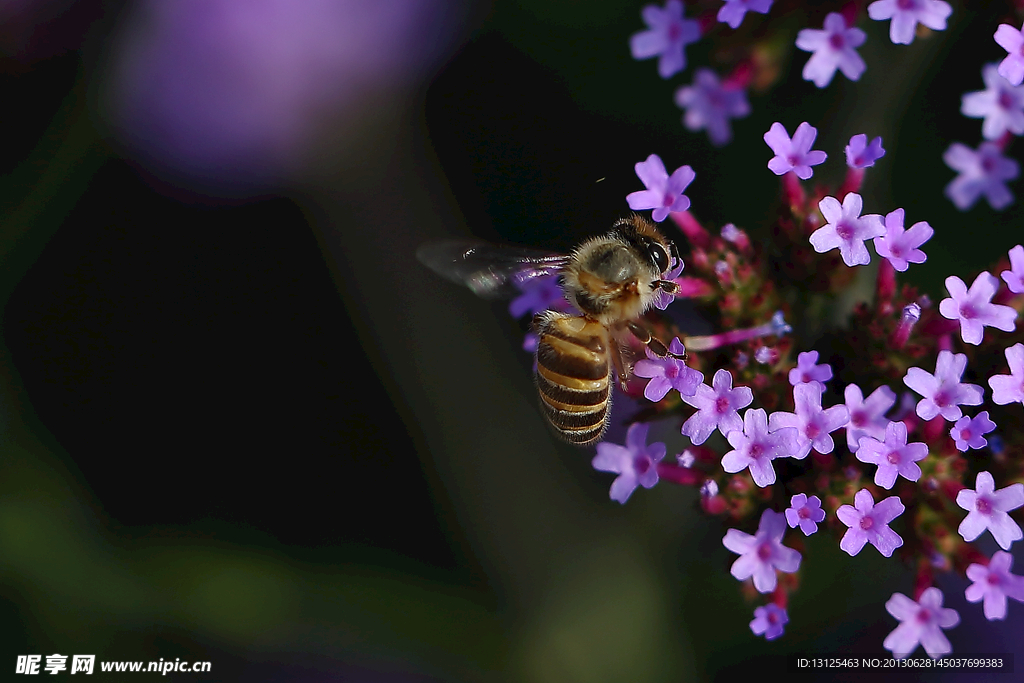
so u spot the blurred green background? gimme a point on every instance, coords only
(255, 431)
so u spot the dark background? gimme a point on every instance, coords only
(191, 368)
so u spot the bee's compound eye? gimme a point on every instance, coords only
(659, 256)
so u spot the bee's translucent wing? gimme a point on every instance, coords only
(491, 271)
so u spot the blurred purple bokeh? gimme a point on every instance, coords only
(226, 97)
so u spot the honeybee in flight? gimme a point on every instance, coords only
(611, 279)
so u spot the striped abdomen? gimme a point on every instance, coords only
(573, 373)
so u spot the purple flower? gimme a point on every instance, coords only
(668, 373)
(1011, 40)
(1000, 104)
(974, 307)
(709, 105)
(870, 523)
(981, 172)
(662, 298)
(732, 13)
(900, 246)
(664, 193)
(943, 392)
(1014, 278)
(907, 14)
(539, 294)
(232, 95)
(867, 416)
(833, 49)
(813, 424)
(805, 512)
(806, 370)
(969, 432)
(922, 622)
(793, 155)
(894, 456)
(769, 619)
(994, 584)
(636, 463)
(859, 154)
(668, 33)
(763, 553)
(755, 447)
(1010, 388)
(847, 229)
(716, 406)
(987, 508)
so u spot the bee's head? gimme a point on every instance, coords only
(645, 239)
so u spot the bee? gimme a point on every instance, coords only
(611, 279)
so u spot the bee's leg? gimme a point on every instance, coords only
(655, 345)
(620, 367)
(666, 286)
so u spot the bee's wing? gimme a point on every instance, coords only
(491, 271)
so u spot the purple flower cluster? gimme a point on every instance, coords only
(767, 399)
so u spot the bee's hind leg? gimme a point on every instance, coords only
(655, 345)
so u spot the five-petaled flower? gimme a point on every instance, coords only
(867, 415)
(763, 553)
(768, 621)
(636, 463)
(814, 424)
(943, 392)
(847, 229)
(805, 512)
(709, 105)
(1000, 104)
(1011, 40)
(717, 407)
(808, 371)
(974, 308)
(987, 508)
(833, 48)
(982, 172)
(907, 14)
(793, 155)
(921, 623)
(901, 247)
(1014, 278)
(668, 373)
(994, 584)
(969, 432)
(733, 10)
(869, 523)
(664, 193)
(667, 35)
(860, 154)
(894, 456)
(1010, 388)
(755, 447)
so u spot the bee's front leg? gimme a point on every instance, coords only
(655, 345)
